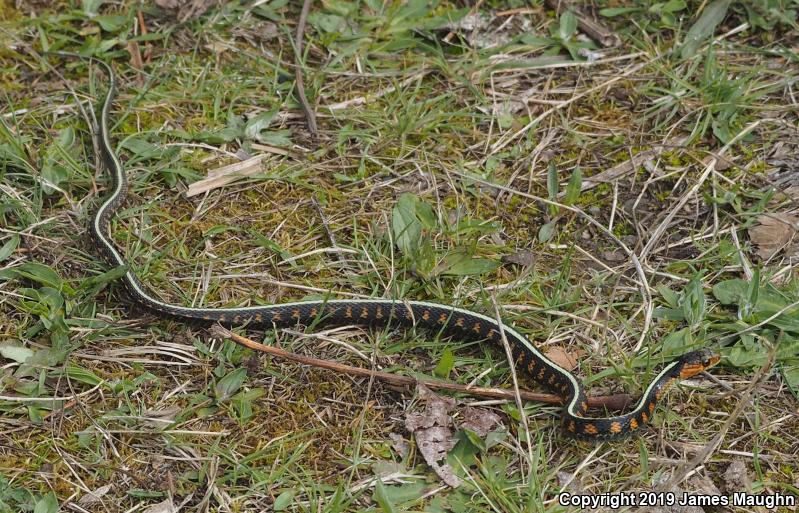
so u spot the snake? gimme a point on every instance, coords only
(448, 320)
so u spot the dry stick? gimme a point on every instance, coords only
(310, 116)
(610, 402)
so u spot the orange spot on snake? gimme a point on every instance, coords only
(615, 427)
(590, 429)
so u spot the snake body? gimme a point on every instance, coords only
(445, 319)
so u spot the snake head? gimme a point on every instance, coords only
(695, 362)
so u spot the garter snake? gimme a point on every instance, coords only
(448, 320)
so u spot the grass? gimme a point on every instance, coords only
(154, 412)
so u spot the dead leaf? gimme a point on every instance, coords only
(774, 232)
(433, 435)
(736, 477)
(479, 420)
(436, 412)
(476, 29)
(614, 256)
(385, 469)
(160, 418)
(722, 164)
(434, 443)
(562, 358)
(524, 258)
(165, 506)
(94, 496)
(399, 444)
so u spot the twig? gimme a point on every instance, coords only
(310, 116)
(611, 402)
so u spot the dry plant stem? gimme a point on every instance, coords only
(328, 231)
(310, 116)
(610, 402)
(516, 391)
(592, 29)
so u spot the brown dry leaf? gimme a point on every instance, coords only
(165, 506)
(774, 232)
(722, 164)
(562, 358)
(94, 496)
(524, 258)
(433, 435)
(479, 420)
(614, 256)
